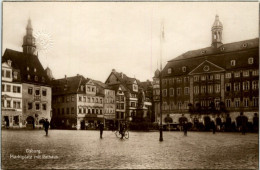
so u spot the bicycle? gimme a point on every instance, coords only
(125, 134)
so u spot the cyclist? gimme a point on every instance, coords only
(122, 130)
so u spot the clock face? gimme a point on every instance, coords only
(206, 68)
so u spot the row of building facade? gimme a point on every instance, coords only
(217, 82)
(30, 94)
(222, 78)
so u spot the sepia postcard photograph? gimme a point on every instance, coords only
(129, 85)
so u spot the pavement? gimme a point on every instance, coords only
(72, 149)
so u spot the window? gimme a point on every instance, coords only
(80, 110)
(217, 76)
(37, 106)
(8, 88)
(169, 70)
(228, 101)
(179, 105)
(196, 78)
(88, 88)
(15, 75)
(27, 68)
(36, 78)
(44, 92)
(255, 102)
(8, 74)
(217, 88)
(203, 89)
(132, 104)
(164, 92)
(28, 77)
(88, 99)
(184, 69)
(186, 79)
(30, 90)
(93, 89)
(16, 104)
(8, 103)
(250, 60)
(80, 98)
(178, 80)
(29, 106)
(228, 87)
(178, 91)
(43, 79)
(246, 73)
(3, 73)
(210, 88)
(92, 100)
(237, 102)
(237, 74)
(96, 100)
(34, 70)
(171, 91)
(255, 73)
(210, 77)
(203, 78)
(233, 62)
(246, 102)
(170, 81)
(44, 106)
(3, 87)
(186, 90)
(101, 101)
(246, 85)
(58, 111)
(37, 92)
(228, 75)
(255, 84)
(72, 110)
(196, 89)
(236, 86)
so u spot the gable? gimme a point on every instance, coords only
(5, 65)
(90, 82)
(112, 79)
(206, 67)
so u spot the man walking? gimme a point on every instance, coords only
(185, 128)
(46, 126)
(101, 128)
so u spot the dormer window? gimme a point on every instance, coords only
(34, 70)
(169, 70)
(15, 75)
(250, 60)
(203, 52)
(222, 49)
(184, 69)
(233, 62)
(35, 78)
(27, 68)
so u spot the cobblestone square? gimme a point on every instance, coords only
(70, 149)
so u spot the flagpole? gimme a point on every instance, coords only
(161, 38)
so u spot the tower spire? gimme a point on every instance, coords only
(29, 46)
(216, 31)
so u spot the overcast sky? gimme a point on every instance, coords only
(92, 38)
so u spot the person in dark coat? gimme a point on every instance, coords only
(213, 126)
(185, 128)
(101, 128)
(46, 126)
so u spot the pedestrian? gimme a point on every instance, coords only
(213, 126)
(185, 128)
(46, 126)
(101, 128)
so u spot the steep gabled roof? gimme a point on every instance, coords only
(68, 85)
(21, 61)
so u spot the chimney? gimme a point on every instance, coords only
(113, 70)
(122, 75)
(65, 76)
(9, 62)
(78, 75)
